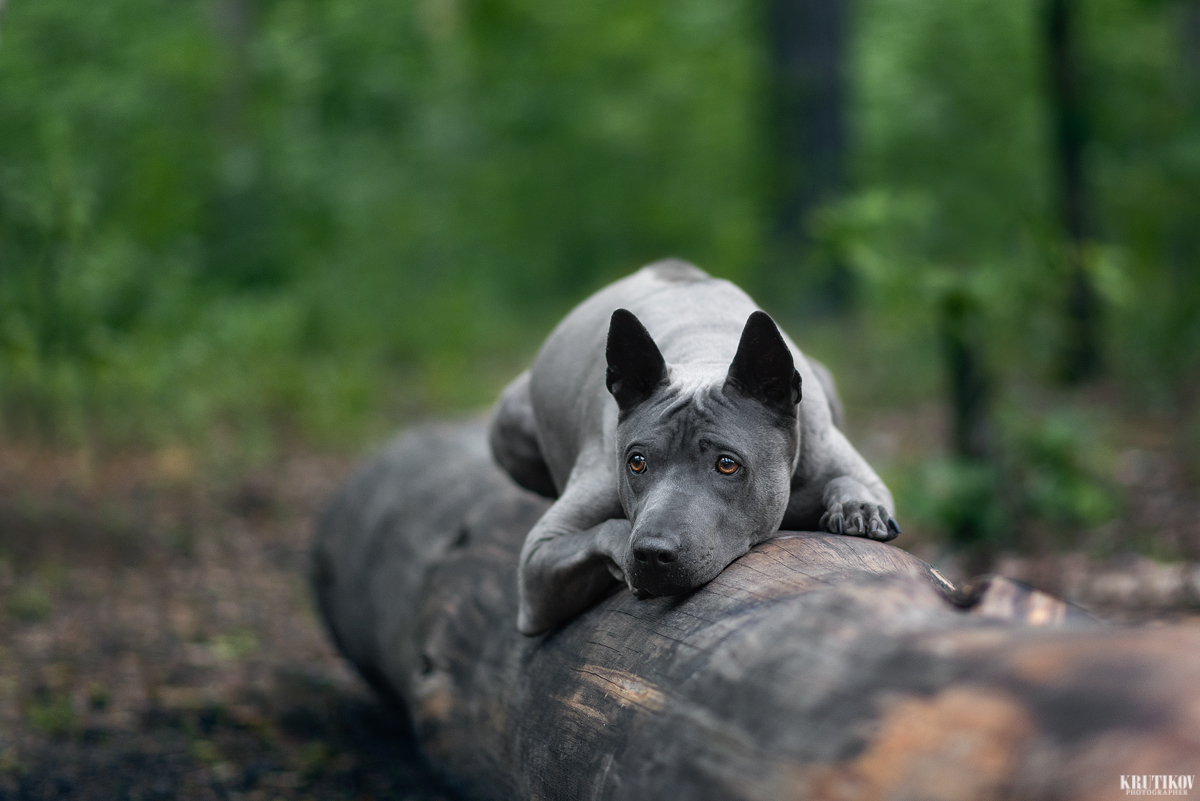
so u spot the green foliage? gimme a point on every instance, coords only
(205, 751)
(51, 713)
(957, 198)
(29, 602)
(1061, 472)
(961, 498)
(958, 185)
(956, 176)
(950, 117)
(234, 645)
(1050, 471)
(1145, 87)
(223, 221)
(308, 211)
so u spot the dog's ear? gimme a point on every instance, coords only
(635, 365)
(763, 367)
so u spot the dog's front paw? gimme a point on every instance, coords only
(619, 575)
(615, 570)
(860, 519)
(612, 541)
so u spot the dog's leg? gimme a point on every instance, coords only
(572, 558)
(513, 439)
(836, 490)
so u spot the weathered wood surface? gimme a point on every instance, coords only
(814, 667)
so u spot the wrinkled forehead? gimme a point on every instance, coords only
(683, 415)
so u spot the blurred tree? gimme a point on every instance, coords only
(962, 332)
(1144, 172)
(1190, 40)
(304, 210)
(1081, 357)
(973, 503)
(808, 46)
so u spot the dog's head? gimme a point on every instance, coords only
(705, 459)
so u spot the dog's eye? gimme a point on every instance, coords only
(727, 465)
(637, 463)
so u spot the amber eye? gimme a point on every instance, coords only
(727, 465)
(637, 463)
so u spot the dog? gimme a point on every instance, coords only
(664, 415)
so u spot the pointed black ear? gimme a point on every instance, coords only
(635, 365)
(763, 367)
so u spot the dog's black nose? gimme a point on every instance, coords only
(654, 552)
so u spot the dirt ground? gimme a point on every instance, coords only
(158, 638)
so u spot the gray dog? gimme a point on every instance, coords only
(690, 448)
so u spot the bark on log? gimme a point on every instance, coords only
(814, 667)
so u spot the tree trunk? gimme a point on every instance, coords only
(1190, 42)
(962, 334)
(816, 666)
(807, 48)
(962, 330)
(1081, 353)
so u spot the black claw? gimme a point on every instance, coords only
(837, 521)
(893, 527)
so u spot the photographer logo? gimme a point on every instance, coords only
(1156, 784)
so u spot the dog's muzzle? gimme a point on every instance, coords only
(656, 566)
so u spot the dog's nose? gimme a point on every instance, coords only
(654, 553)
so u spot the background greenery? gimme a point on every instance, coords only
(232, 223)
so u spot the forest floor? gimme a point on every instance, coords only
(158, 638)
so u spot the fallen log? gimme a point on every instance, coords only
(816, 666)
